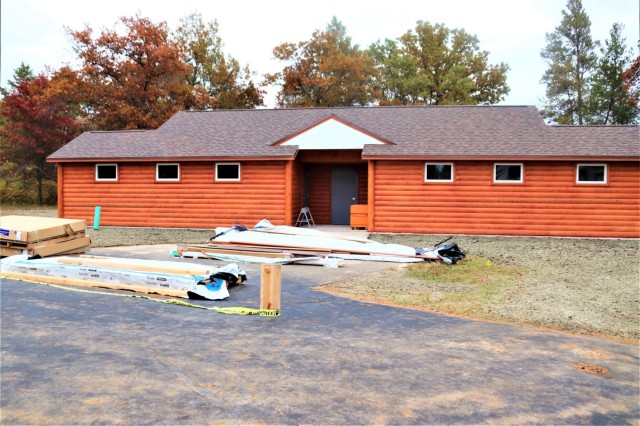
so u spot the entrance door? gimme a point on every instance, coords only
(344, 193)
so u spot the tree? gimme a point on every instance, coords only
(136, 80)
(631, 78)
(37, 120)
(23, 72)
(437, 66)
(613, 101)
(397, 74)
(221, 76)
(326, 70)
(570, 54)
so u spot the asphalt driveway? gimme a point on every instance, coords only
(76, 358)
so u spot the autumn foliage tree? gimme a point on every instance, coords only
(435, 65)
(37, 119)
(326, 70)
(220, 75)
(631, 79)
(134, 80)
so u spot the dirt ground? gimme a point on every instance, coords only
(589, 286)
(578, 285)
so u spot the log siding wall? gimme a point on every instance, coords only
(197, 201)
(319, 188)
(363, 184)
(319, 192)
(548, 203)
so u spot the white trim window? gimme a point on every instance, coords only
(438, 172)
(167, 172)
(106, 172)
(591, 173)
(228, 172)
(508, 173)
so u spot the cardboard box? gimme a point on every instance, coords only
(33, 229)
(9, 251)
(76, 245)
(61, 247)
(41, 243)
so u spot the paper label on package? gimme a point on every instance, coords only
(18, 235)
(5, 232)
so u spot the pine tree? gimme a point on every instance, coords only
(570, 53)
(612, 101)
(20, 74)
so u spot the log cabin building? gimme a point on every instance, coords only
(491, 170)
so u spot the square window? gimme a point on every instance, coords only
(591, 173)
(507, 173)
(107, 172)
(168, 172)
(228, 172)
(439, 172)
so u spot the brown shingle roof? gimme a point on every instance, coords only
(417, 132)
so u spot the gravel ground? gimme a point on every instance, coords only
(580, 285)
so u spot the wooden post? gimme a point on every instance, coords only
(270, 287)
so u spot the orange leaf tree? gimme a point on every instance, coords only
(326, 71)
(134, 80)
(37, 119)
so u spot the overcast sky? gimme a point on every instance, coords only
(512, 31)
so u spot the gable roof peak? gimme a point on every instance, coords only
(332, 132)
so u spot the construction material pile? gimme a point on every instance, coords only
(177, 279)
(267, 243)
(42, 236)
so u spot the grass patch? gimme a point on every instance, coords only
(472, 287)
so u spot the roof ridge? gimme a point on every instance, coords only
(358, 107)
(119, 131)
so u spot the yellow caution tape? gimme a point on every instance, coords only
(228, 311)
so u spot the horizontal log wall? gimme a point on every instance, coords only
(549, 202)
(363, 184)
(194, 202)
(319, 192)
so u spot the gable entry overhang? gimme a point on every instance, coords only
(332, 133)
(333, 173)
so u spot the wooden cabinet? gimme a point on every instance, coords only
(359, 215)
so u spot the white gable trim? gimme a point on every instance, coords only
(332, 134)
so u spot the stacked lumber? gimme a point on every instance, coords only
(266, 243)
(175, 279)
(43, 236)
(250, 254)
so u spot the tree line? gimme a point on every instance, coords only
(583, 87)
(140, 73)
